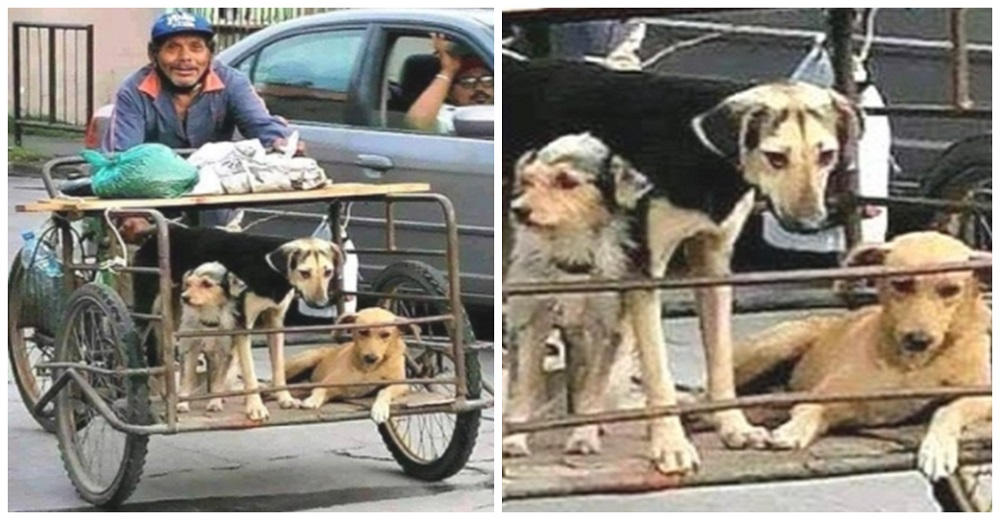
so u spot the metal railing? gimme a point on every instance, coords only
(50, 61)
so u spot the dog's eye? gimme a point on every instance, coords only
(565, 181)
(205, 284)
(778, 160)
(949, 291)
(328, 272)
(384, 335)
(826, 157)
(907, 286)
(364, 333)
(305, 274)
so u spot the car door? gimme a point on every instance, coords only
(461, 168)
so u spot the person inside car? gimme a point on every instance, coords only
(185, 99)
(463, 80)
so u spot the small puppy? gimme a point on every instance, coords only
(927, 331)
(374, 354)
(209, 301)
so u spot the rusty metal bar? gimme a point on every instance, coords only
(959, 59)
(120, 372)
(333, 222)
(840, 25)
(936, 111)
(741, 403)
(401, 252)
(942, 204)
(390, 227)
(403, 296)
(842, 273)
(16, 52)
(309, 386)
(312, 328)
(52, 74)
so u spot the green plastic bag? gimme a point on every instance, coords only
(146, 171)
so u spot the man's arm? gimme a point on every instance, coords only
(127, 127)
(252, 118)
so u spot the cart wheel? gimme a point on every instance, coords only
(26, 347)
(429, 446)
(970, 489)
(965, 172)
(104, 464)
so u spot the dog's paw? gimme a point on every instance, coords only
(286, 401)
(516, 446)
(215, 405)
(380, 412)
(183, 407)
(312, 403)
(791, 436)
(938, 456)
(585, 440)
(737, 433)
(256, 410)
(671, 451)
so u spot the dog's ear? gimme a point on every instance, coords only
(630, 185)
(733, 126)
(347, 319)
(850, 126)
(985, 275)
(336, 254)
(236, 285)
(525, 159)
(409, 328)
(867, 254)
(861, 256)
(283, 260)
(186, 275)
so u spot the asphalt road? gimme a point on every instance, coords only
(338, 467)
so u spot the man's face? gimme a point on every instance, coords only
(473, 86)
(184, 59)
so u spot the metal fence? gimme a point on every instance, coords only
(234, 23)
(53, 79)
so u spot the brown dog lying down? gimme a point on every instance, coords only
(927, 331)
(375, 354)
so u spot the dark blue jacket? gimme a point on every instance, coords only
(145, 113)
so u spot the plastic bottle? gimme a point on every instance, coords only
(41, 254)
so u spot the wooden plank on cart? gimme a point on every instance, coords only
(340, 190)
(623, 467)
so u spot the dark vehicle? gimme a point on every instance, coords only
(342, 79)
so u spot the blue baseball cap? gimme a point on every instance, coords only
(179, 22)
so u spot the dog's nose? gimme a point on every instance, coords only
(186, 299)
(370, 359)
(521, 213)
(917, 341)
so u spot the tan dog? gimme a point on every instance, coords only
(375, 354)
(927, 331)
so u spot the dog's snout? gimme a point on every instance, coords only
(521, 212)
(370, 359)
(917, 341)
(186, 299)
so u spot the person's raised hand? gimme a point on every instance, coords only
(450, 64)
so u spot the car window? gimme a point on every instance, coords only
(410, 67)
(307, 77)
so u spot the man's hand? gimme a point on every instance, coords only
(450, 64)
(280, 143)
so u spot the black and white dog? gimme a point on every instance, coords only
(662, 162)
(273, 269)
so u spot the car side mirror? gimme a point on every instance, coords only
(474, 121)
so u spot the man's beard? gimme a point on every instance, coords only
(175, 88)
